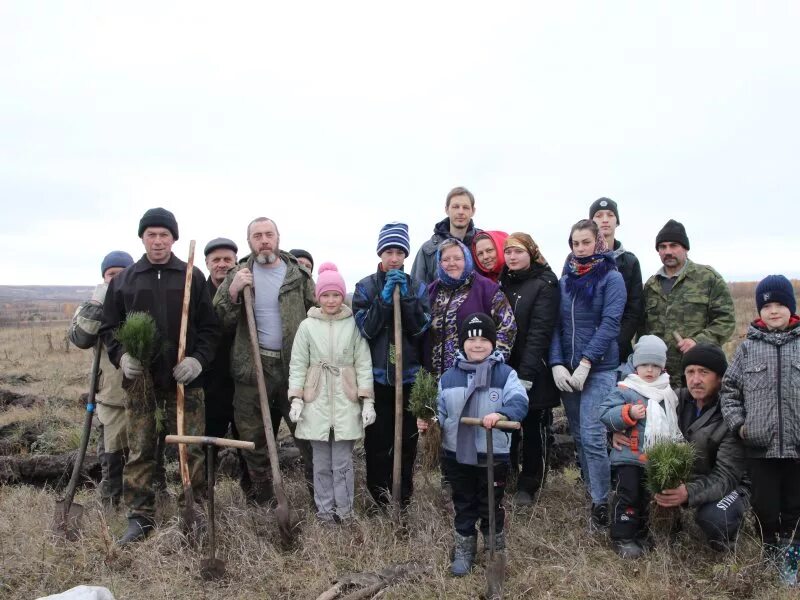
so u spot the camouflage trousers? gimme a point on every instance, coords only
(247, 415)
(139, 475)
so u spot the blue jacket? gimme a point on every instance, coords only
(504, 395)
(614, 415)
(375, 320)
(590, 328)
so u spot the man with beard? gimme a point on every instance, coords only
(283, 294)
(685, 303)
(155, 285)
(460, 208)
(218, 384)
(718, 489)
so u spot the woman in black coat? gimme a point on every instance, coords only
(532, 290)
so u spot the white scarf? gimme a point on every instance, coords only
(662, 421)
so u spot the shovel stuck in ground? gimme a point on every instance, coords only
(496, 562)
(210, 567)
(67, 517)
(286, 524)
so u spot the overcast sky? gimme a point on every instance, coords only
(334, 118)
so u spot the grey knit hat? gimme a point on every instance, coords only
(650, 350)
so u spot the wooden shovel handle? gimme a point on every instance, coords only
(212, 441)
(179, 410)
(499, 425)
(397, 456)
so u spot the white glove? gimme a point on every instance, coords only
(368, 412)
(295, 410)
(187, 370)
(562, 378)
(131, 368)
(579, 375)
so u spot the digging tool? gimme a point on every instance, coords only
(496, 565)
(282, 512)
(210, 567)
(397, 464)
(189, 514)
(66, 520)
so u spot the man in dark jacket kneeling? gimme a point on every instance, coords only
(718, 490)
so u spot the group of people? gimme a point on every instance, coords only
(506, 338)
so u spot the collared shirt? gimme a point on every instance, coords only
(667, 281)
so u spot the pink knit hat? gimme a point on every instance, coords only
(329, 280)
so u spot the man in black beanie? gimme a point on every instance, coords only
(718, 489)
(685, 303)
(155, 285)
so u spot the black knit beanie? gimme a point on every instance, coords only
(478, 325)
(706, 355)
(159, 217)
(673, 232)
(298, 253)
(604, 204)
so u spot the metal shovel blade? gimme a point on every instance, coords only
(495, 574)
(67, 525)
(212, 568)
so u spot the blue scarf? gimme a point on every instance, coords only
(583, 274)
(469, 267)
(466, 450)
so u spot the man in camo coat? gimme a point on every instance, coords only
(283, 294)
(685, 303)
(112, 443)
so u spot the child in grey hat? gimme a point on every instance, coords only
(644, 407)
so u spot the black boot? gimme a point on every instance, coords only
(261, 491)
(138, 529)
(599, 520)
(111, 485)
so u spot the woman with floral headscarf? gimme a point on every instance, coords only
(584, 353)
(532, 290)
(458, 292)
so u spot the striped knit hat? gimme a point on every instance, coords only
(394, 235)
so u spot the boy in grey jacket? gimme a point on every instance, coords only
(760, 401)
(644, 406)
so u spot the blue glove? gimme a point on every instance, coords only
(400, 279)
(388, 289)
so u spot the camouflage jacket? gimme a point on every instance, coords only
(83, 332)
(295, 297)
(699, 306)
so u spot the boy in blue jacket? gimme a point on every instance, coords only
(643, 406)
(479, 385)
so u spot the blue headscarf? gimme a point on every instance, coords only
(469, 265)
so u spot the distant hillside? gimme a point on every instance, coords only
(32, 303)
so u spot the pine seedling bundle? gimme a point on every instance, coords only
(139, 337)
(668, 465)
(423, 404)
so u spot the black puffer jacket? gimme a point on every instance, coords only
(158, 290)
(628, 265)
(535, 298)
(719, 464)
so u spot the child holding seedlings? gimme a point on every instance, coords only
(760, 400)
(643, 406)
(330, 386)
(481, 385)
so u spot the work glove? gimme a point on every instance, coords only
(579, 376)
(562, 378)
(388, 290)
(368, 412)
(187, 370)
(131, 368)
(400, 279)
(99, 294)
(295, 410)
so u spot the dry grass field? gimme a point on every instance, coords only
(551, 552)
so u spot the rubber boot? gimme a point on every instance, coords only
(138, 529)
(791, 555)
(464, 554)
(627, 548)
(111, 484)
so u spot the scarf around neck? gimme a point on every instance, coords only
(466, 450)
(661, 422)
(584, 273)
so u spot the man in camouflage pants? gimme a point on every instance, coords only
(283, 294)
(112, 443)
(155, 284)
(685, 303)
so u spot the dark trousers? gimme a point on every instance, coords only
(219, 418)
(630, 505)
(776, 497)
(532, 446)
(379, 447)
(721, 520)
(471, 496)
